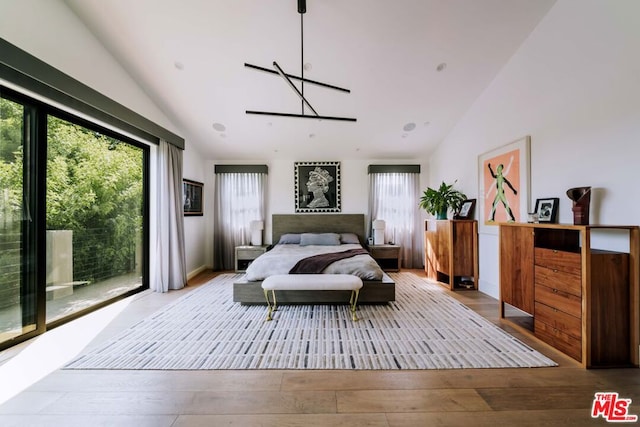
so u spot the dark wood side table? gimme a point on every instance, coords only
(388, 257)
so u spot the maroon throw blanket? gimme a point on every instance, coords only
(316, 263)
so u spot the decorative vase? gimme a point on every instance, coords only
(581, 197)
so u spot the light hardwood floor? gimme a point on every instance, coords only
(560, 396)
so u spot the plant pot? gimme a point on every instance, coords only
(442, 214)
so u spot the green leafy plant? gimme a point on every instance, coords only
(439, 202)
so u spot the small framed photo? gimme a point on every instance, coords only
(192, 197)
(547, 209)
(466, 210)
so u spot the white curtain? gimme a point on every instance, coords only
(393, 197)
(171, 266)
(240, 199)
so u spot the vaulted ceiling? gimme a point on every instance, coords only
(413, 68)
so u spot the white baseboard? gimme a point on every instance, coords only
(195, 272)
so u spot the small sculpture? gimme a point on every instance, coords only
(581, 197)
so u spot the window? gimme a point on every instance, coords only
(239, 200)
(73, 217)
(393, 199)
(94, 217)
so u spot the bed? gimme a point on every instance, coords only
(378, 287)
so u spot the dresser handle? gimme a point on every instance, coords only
(555, 251)
(555, 291)
(555, 270)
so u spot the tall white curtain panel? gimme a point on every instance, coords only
(239, 202)
(393, 198)
(171, 272)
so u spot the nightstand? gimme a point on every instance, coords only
(245, 256)
(388, 257)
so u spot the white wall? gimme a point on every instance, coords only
(280, 188)
(574, 87)
(194, 226)
(50, 31)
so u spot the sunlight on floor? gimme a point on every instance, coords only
(53, 349)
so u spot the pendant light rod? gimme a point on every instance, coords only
(294, 77)
(304, 8)
(302, 116)
(294, 88)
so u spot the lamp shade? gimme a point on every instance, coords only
(256, 232)
(378, 224)
(378, 232)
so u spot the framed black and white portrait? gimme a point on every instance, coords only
(547, 209)
(192, 197)
(317, 186)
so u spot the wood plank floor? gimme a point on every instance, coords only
(559, 396)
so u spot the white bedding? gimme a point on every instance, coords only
(282, 258)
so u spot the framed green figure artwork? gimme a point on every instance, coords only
(504, 175)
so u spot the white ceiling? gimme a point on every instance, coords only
(385, 52)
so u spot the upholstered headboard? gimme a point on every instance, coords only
(317, 223)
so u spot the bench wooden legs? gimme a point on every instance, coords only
(353, 303)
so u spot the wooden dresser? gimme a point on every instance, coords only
(451, 252)
(580, 300)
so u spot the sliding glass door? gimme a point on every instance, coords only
(18, 311)
(73, 217)
(95, 201)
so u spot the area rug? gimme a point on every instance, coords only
(423, 329)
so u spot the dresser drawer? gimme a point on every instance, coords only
(568, 262)
(559, 280)
(560, 300)
(558, 339)
(560, 320)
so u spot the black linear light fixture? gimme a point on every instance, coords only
(302, 9)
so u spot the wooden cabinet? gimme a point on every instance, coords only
(580, 300)
(245, 256)
(388, 257)
(451, 252)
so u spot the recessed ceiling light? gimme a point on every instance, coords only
(179, 65)
(441, 66)
(307, 66)
(409, 127)
(219, 127)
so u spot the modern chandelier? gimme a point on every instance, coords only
(302, 8)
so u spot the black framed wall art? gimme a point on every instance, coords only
(192, 197)
(317, 186)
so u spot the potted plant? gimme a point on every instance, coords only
(439, 202)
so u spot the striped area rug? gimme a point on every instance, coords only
(424, 329)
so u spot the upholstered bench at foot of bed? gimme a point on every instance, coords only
(312, 282)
